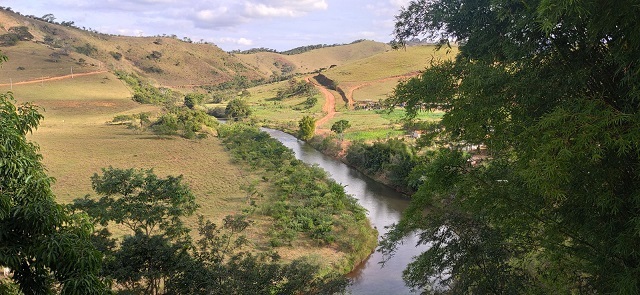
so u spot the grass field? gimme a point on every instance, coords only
(76, 142)
(376, 91)
(279, 113)
(388, 64)
(371, 125)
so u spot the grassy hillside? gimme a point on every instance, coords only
(168, 61)
(388, 64)
(268, 62)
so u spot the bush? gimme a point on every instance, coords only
(86, 49)
(218, 112)
(305, 200)
(116, 55)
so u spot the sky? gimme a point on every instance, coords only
(230, 24)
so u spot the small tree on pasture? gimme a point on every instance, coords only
(339, 127)
(307, 127)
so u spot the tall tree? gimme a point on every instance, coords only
(551, 89)
(152, 208)
(307, 127)
(45, 246)
(237, 109)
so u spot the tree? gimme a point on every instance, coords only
(307, 127)
(151, 208)
(50, 18)
(340, 126)
(22, 33)
(193, 99)
(550, 89)
(237, 109)
(46, 247)
(221, 265)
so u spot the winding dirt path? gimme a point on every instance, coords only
(329, 107)
(55, 78)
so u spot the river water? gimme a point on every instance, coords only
(385, 207)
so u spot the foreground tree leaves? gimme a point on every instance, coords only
(550, 89)
(47, 248)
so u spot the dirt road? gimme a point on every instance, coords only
(54, 78)
(329, 107)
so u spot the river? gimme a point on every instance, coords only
(385, 206)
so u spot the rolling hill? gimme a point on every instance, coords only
(55, 50)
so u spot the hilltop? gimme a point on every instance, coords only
(56, 49)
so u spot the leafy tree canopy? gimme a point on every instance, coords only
(340, 126)
(46, 247)
(551, 89)
(238, 109)
(307, 127)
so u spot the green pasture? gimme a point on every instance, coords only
(371, 125)
(268, 109)
(389, 64)
(376, 91)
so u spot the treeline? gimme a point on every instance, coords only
(392, 161)
(294, 51)
(306, 202)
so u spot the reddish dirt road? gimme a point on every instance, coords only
(54, 78)
(329, 107)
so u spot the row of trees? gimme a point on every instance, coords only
(551, 89)
(158, 256)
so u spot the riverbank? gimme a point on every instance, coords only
(306, 208)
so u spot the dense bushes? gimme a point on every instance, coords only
(296, 88)
(305, 200)
(391, 159)
(184, 122)
(144, 92)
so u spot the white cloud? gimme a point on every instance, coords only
(399, 3)
(236, 41)
(261, 10)
(283, 8)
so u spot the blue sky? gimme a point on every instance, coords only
(230, 24)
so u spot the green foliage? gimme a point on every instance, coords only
(307, 127)
(116, 55)
(221, 266)
(139, 200)
(9, 39)
(237, 109)
(152, 208)
(155, 55)
(393, 158)
(296, 88)
(14, 35)
(551, 90)
(185, 122)
(340, 126)
(193, 99)
(46, 247)
(22, 33)
(218, 112)
(86, 49)
(306, 200)
(144, 92)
